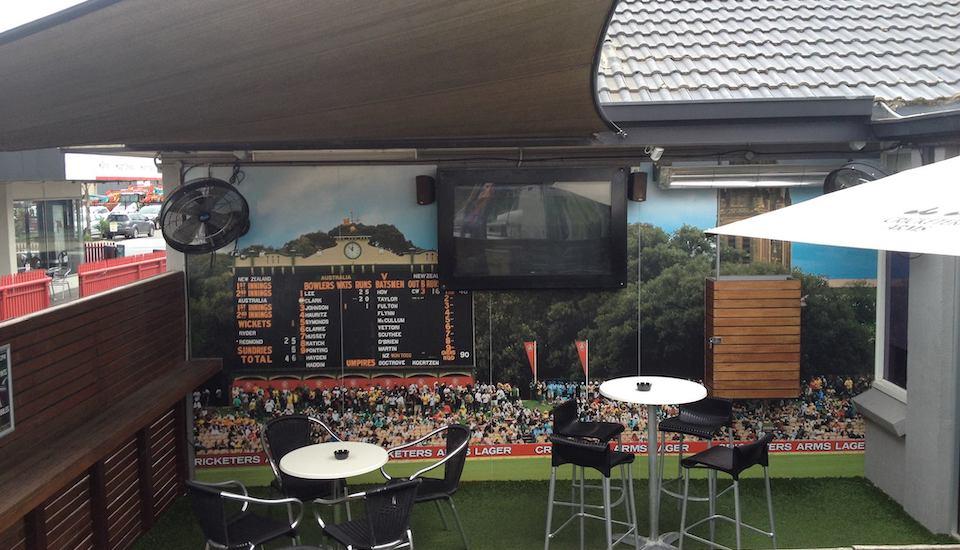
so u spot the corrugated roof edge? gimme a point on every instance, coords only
(53, 20)
(660, 111)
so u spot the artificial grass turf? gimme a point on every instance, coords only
(538, 468)
(810, 513)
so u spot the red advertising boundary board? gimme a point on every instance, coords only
(228, 460)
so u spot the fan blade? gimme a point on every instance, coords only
(219, 221)
(187, 232)
(192, 206)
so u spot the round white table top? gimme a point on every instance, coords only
(317, 461)
(664, 390)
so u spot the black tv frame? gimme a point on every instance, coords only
(449, 178)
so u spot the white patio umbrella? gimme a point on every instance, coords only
(916, 210)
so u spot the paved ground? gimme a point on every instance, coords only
(143, 245)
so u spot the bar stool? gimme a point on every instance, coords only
(603, 459)
(732, 461)
(703, 419)
(566, 423)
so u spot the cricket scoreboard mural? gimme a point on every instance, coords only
(331, 306)
(351, 306)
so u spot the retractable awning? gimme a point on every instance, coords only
(916, 210)
(187, 74)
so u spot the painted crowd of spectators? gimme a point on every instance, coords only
(495, 413)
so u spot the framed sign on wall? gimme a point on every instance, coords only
(6, 392)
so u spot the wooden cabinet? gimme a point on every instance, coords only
(752, 329)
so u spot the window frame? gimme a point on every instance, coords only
(879, 381)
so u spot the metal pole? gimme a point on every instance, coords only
(490, 337)
(718, 257)
(639, 254)
(652, 412)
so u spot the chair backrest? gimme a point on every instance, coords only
(750, 454)
(709, 410)
(567, 450)
(457, 435)
(564, 415)
(208, 507)
(288, 433)
(388, 510)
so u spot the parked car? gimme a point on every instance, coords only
(152, 213)
(130, 226)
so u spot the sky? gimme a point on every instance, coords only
(14, 13)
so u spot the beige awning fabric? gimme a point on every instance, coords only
(177, 74)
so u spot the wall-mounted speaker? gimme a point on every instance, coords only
(637, 186)
(426, 190)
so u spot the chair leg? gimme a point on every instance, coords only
(582, 490)
(607, 512)
(632, 508)
(550, 495)
(456, 519)
(573, 485)
(736, 510)
(410, 538)
(443, 518)
(773, 529)
(683, 508)
(712, 501)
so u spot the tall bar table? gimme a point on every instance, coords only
(664, 390)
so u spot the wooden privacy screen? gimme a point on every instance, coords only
(99, 449)
(752, 331)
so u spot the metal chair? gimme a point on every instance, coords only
(603, 459)
(242, 529)
(732, 461)
(436, 490)
(386, 521)
(281, 435)
(59, 279)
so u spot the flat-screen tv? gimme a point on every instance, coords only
(532, 228)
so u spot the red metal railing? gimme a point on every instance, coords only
(23, 293)
(106, 274)
(93, 251)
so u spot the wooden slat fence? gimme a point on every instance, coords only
(754, 324)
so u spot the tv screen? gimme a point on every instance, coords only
(537, 228)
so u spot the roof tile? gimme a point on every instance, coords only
(688, 50)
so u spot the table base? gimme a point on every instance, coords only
(664, 541)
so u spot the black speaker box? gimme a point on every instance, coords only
(637, 186)
(426, 190)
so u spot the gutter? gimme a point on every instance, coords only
(931, 124)
(742, 109)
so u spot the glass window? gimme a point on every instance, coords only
(896, 283)
(47, 234)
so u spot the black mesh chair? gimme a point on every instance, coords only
(731, 461)
(434, 489)
(602, 458)
(281, 435)
(239, 528)
(386, 521)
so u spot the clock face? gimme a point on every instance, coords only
(352, 250)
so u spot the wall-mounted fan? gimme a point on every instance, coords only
(204, 215)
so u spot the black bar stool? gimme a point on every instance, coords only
(566, 423)
(603, 459)
(732, 461)
(704, 419)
